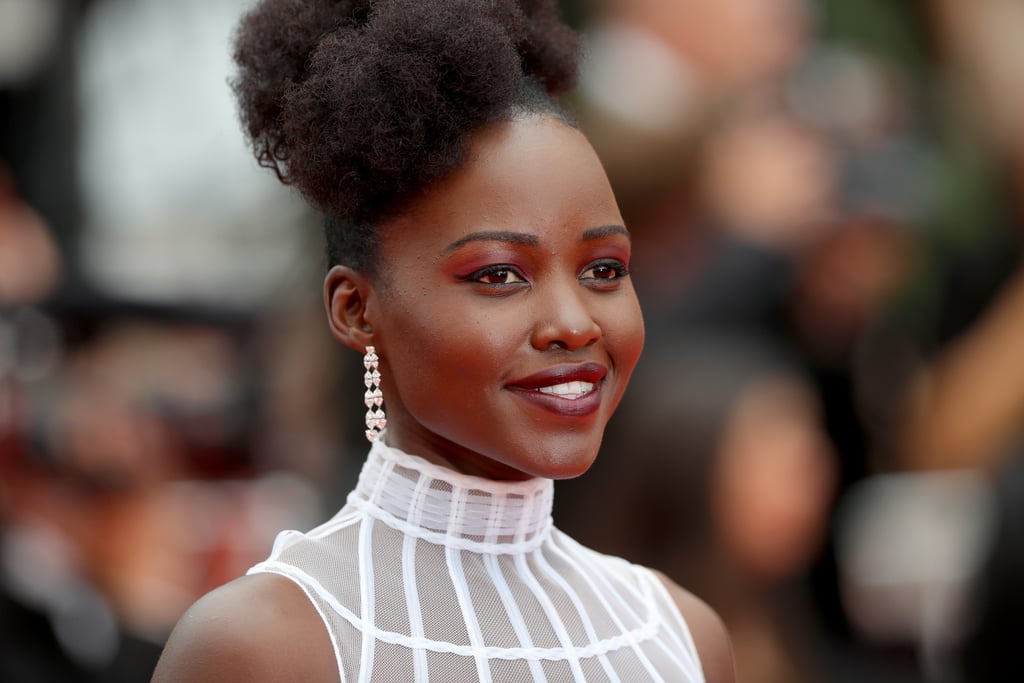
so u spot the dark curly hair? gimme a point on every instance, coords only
(363, 103)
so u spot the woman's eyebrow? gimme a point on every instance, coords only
(530, 240)
(605, 231)
(495, 236)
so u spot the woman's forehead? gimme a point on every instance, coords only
(523, 175)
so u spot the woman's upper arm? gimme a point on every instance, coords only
(709, 634)
(256, 629)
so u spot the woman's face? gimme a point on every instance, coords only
(505, 319)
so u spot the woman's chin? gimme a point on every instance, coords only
(565, 462)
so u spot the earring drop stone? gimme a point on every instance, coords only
(373, 398)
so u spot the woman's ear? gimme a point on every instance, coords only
(346, 293)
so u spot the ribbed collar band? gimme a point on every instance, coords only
(442, 506)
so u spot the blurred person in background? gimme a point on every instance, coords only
(763, 193)
(655, 73)
(174, 208)
(964, 409)
(148, 438)
(38, 133)
(30, 260)
(128, 488)
(723, 477)
(176, 212)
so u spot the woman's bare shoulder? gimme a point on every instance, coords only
(708, 631)
(256, 628)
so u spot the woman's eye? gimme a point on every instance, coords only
(605, 270)
(496, 275)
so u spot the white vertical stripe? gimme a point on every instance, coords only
(591, 576)
(457, 573)
(383, 480)
(366, 599)
(682, 630)
(497, 513)
(412, 598)
(645, 582)
(552, 614)
(514, 614)
(524, 522)
(577, 602)
(367, 590)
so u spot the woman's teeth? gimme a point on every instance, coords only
(570, 390)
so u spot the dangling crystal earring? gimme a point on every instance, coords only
(375, 420)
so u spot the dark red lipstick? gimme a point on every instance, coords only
(529, 388)
(560, 374)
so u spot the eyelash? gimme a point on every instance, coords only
(617, 267)
(478, 275)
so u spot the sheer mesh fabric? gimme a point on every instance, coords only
(430, 575)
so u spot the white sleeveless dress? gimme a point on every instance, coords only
(427, 574)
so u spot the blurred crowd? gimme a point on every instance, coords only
(823, 438)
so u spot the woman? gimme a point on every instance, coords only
(479, 261)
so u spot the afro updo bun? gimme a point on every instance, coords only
(362, 103)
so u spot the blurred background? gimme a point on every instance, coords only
(823, 438)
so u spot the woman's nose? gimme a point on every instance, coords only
(565, 321)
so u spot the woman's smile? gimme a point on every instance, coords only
(567, 390)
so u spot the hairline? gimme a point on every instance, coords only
(532, 103)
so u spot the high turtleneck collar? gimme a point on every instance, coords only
(440, 505)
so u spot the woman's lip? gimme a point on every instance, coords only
(560, 374)
(581, 406)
